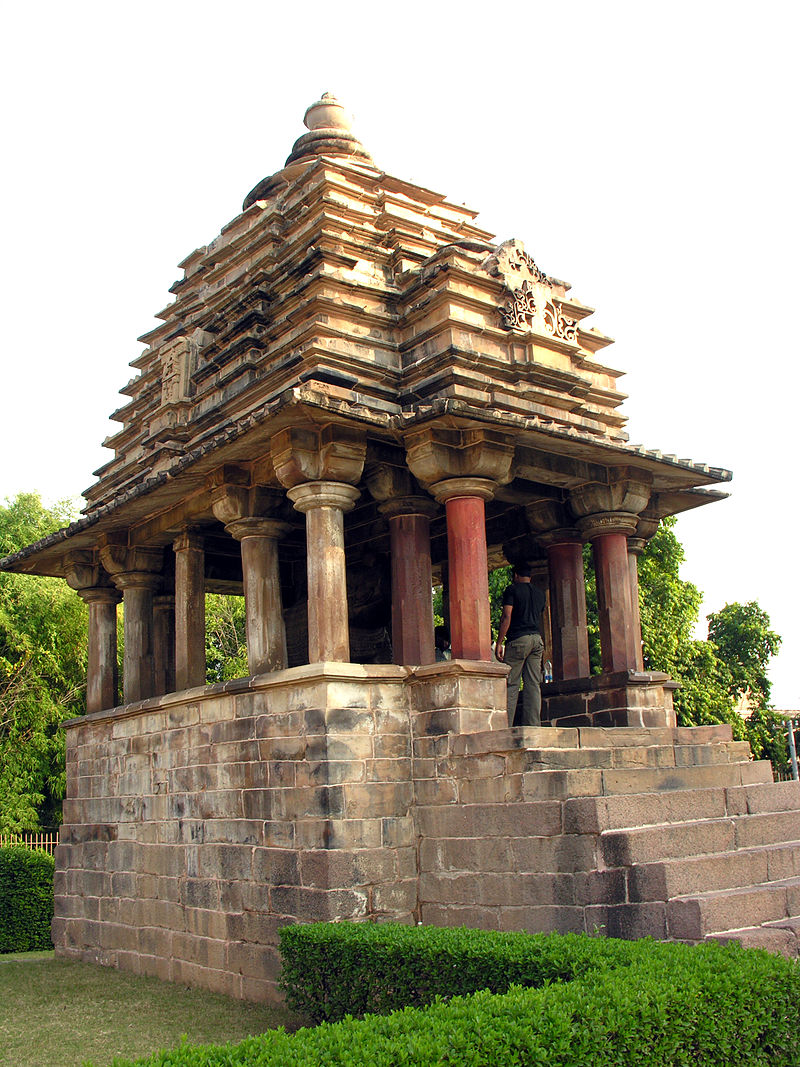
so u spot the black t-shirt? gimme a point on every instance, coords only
(527, 602)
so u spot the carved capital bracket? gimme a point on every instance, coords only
(273, 529)
(627, 490)
(123, 563)
(450, 488)
(323, 494)
(614, 522)
(82, 570)
(189, 540)
(409, 505)
(314, 454)
(436, 455)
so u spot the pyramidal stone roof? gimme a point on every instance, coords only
(365, 298)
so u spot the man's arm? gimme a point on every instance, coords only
(505, 622)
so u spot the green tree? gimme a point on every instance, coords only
(226, 639)
(745, 644)
(43, 629)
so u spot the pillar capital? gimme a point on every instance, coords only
(333, 453)
(254, 526)
(436, 454)
(409, 505)
(450, 488)
(189, 540)
(137, 580)
(611, 522)
(231, 501)
(100, 594)
(323, 494)
(551, 523)
(118, 559)
(626, 491)
(636, 545)
(82, 570)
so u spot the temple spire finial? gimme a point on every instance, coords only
(329, 133)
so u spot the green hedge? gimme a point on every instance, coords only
(26, 899)
(663, 1004)
(335, 969)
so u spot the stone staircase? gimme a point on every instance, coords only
(673, 833)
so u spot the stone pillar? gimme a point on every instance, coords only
(138, 675)
(324, 503)
(101, 675)
(163, 644)
(635, 549)
(608, 513)
(412, 611)
(190, 610)
(136, 571)
(266, 633)
(609, 537)
(470, 621)
(567, 605)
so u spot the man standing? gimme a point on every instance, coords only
(520, 627)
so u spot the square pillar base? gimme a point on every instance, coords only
(625, 698)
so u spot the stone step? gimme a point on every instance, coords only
(694, 917)
(593, 737)
(683, 876)
(699, 837)
(655, 780)
(625, 756)
(651, 844)
(591, 814)
(780, 936)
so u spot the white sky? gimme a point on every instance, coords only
(647, 153)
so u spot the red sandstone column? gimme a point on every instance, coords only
(412, 609)
(468, 565)
(190, 610)
(266, 632)
(609, 536)
(635, 549)
(137, 671)
(101, 676)
(568, 608)
(163, 644)
(324, 504)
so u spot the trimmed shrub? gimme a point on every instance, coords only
(667, 1004)
(26, 899)
(335, 969)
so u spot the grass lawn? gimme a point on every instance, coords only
(57, 1013)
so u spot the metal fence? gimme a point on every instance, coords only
(45, 841)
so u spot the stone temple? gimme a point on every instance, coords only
(355, 394)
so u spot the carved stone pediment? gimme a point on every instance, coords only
(531, 304)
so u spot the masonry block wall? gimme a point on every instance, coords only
(199, 823)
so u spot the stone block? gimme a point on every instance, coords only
(200, 893)
(433, 914)
(396, 901)
(542, 918)
(489, 790)
(398, 831)
(648, 844)
(767, 828)
(599, 887)
(254, 961)
(377, 799)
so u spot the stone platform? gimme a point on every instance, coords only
(199, 823)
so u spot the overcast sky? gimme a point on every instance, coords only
(646, 153)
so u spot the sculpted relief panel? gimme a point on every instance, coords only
(531, 304)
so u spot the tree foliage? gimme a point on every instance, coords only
(226, 638)
(43, 629)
